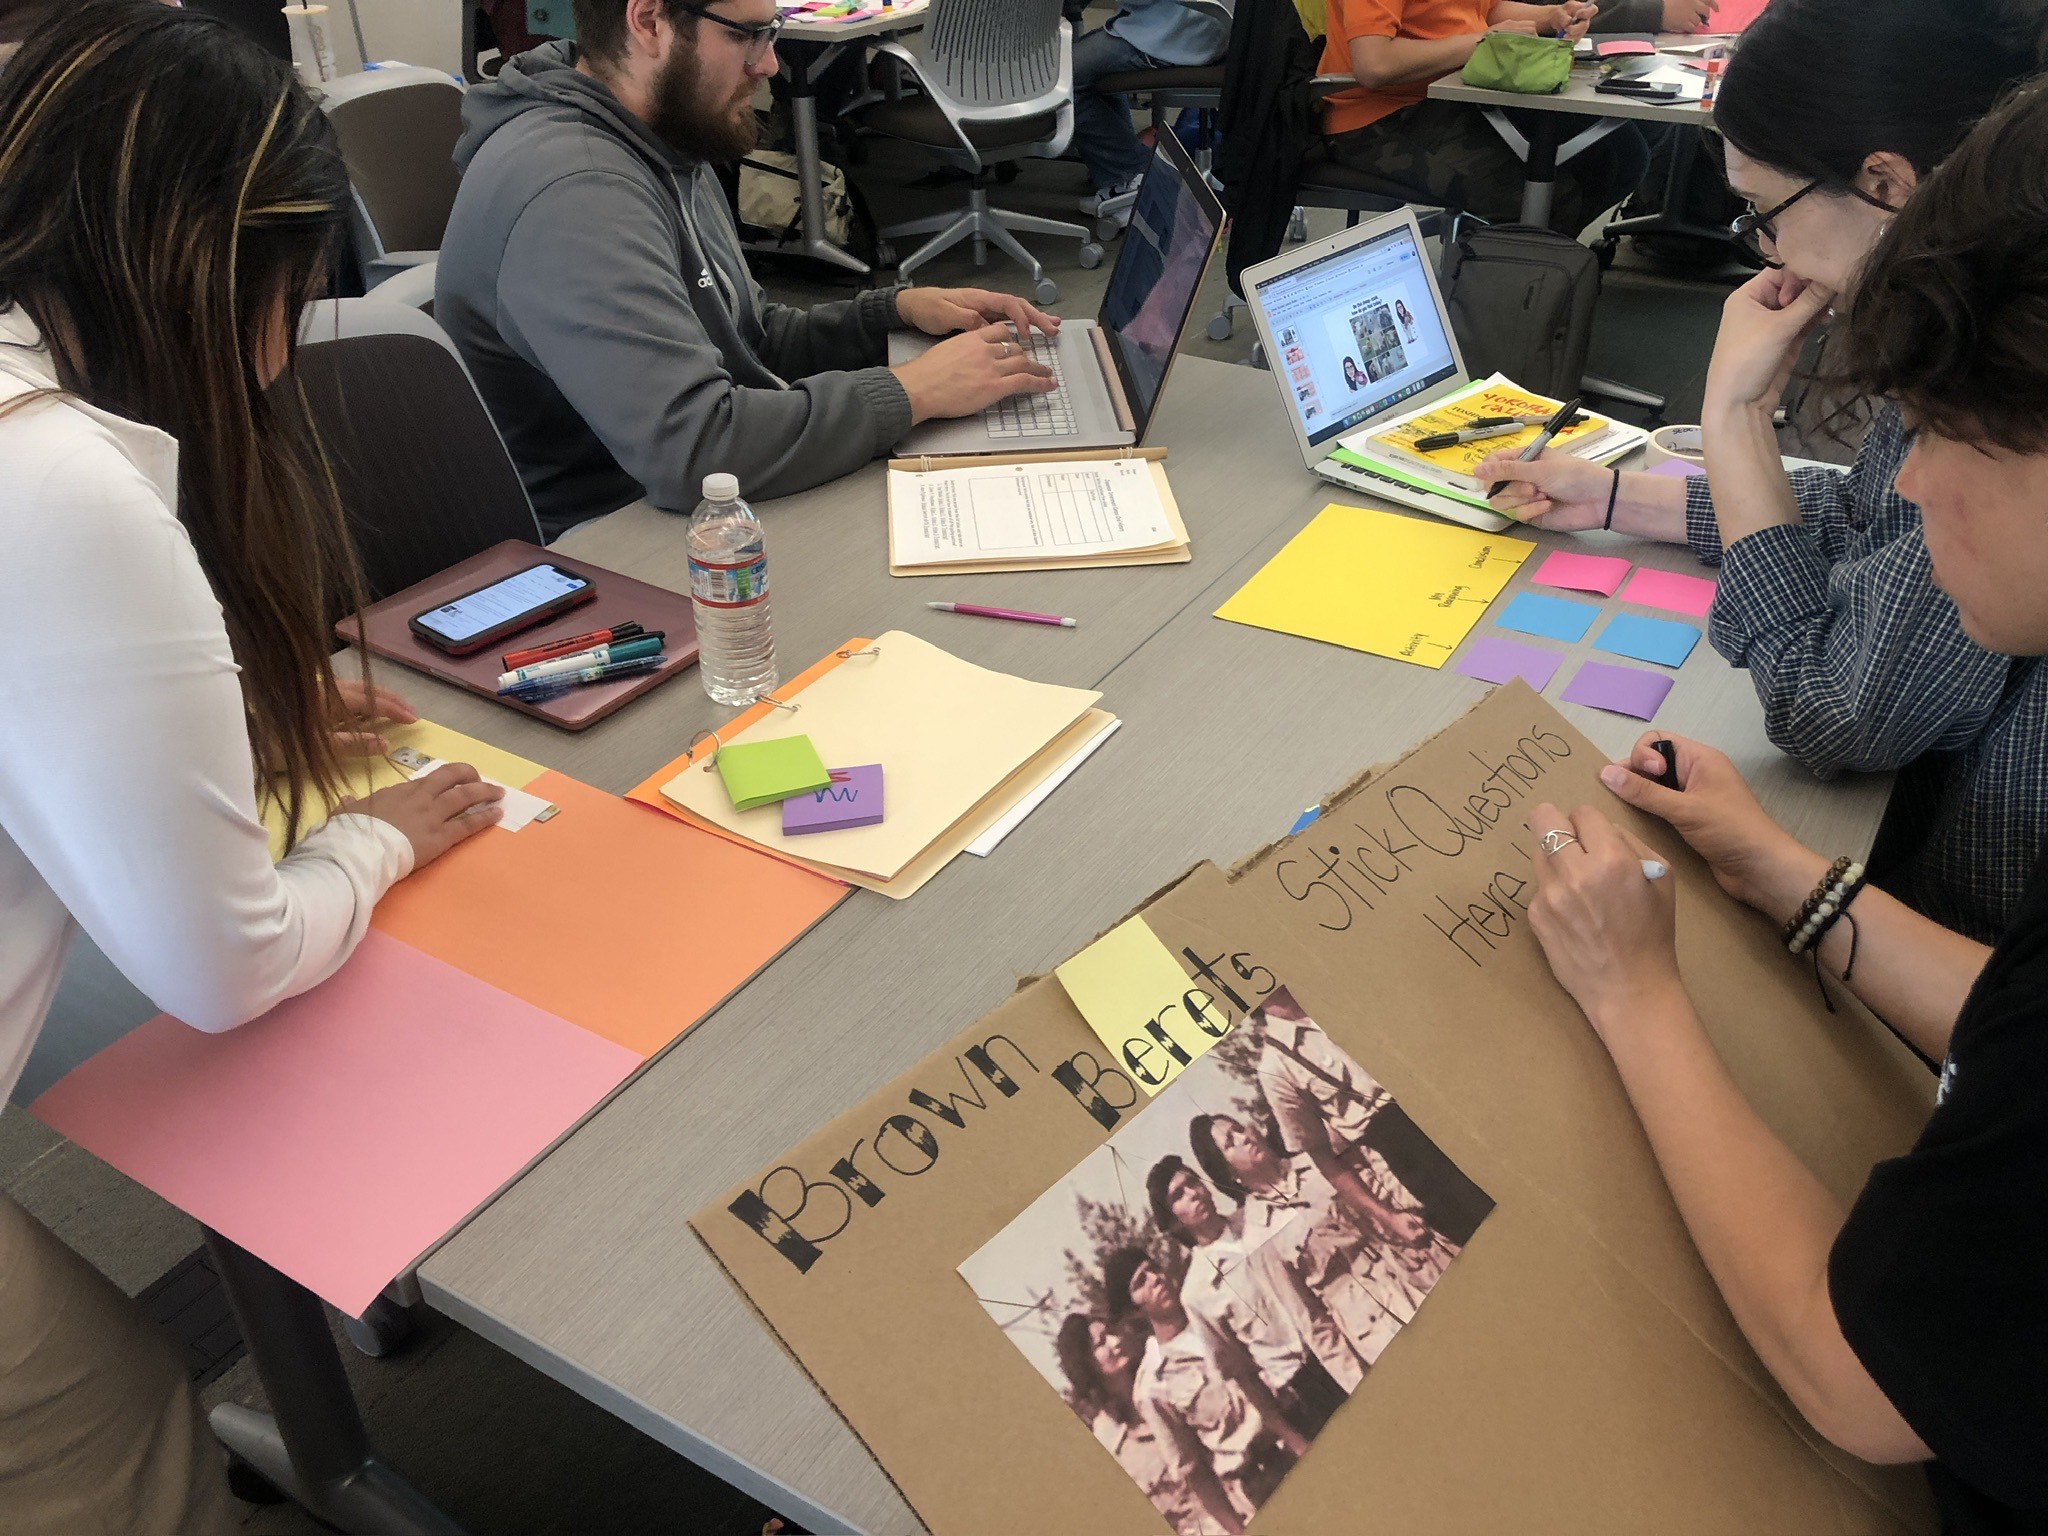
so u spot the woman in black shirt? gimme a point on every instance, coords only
(1916, 1327)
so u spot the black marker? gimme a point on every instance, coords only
(1669, 777)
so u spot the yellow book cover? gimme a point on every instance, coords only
(1499, 400)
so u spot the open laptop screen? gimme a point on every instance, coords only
(1357, 332)
(1151, 292)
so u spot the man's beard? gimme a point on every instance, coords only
(689, 125)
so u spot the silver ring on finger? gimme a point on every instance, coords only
(1006, 348)
(1555, 842)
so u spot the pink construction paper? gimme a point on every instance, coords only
(1733, 16)
(1581, 573)
(1498, 661)
(1623, 690)
(1668, 590)
(347, 1131)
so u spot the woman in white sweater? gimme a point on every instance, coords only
(168, 200)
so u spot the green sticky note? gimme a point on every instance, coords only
(763, 772)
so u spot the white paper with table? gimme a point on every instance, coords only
(1027, 512)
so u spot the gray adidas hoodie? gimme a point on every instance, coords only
(595, 285)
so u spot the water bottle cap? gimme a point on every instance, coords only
(721, 487)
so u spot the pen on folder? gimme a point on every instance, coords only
(632, 648)
(1019, 614)
(1556, 424)
(624, 630)
(553, 687)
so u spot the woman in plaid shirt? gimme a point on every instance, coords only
(1826, 594)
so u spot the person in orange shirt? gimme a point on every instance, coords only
(1445, 153)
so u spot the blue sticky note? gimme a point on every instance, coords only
(1552, 617)
(1658, 640)
(1306, 818)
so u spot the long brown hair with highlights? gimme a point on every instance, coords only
(169, 197)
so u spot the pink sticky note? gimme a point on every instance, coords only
(1669, 590)
(852, 799)
(346, 1131)
(1623, 690)
(1677, 469)
(1581, 573)
(1497, 661)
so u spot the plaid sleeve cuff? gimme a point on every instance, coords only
(1770, 579)
(1702, 531)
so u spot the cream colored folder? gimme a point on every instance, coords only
(948, 735)
(1174, 552)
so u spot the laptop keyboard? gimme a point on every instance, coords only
(1049, 415)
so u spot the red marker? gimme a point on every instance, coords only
(514, 660)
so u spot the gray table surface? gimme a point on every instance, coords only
(1580, 97)
(587, 1268)
(896, 19)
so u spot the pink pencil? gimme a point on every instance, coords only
(1003, 613)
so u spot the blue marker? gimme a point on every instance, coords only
(553, 687)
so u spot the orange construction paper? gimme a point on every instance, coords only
(630, 925)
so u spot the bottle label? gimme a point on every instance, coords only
(729, 586)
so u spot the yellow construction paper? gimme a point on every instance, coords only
(1406, 587)
(370, 774)
(1142, 1005)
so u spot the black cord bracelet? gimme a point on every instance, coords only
(1613, 495)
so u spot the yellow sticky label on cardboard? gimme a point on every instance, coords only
(1142, 1005)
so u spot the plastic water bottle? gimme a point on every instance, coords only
(729, 594)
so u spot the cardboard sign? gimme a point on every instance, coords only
(1573, 1371)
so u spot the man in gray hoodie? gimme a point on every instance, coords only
(593, 280)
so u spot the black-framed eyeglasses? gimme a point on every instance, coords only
(1751, 229)
(760, 36)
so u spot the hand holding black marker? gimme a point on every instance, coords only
(1566, 415)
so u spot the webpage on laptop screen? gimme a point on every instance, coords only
(1357, 333)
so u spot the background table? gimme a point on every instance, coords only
(1545, 147)
(587, 1268)
(812, 47)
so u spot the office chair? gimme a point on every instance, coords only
(424, 477)
(397, 128)
(1167, 90)
(1270, 88)
(998, 82)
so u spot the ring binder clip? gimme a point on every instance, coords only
(710, 762)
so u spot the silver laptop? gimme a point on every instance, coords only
(1355, 330)
(1112, 368)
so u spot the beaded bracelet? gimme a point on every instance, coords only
(1820, 911)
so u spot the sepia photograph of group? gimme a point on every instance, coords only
(1208, 1287)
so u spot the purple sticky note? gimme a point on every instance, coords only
(1498, 661)
(852, 799)
(1677, 469)
(1623, 690)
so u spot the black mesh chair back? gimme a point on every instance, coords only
(424, 477)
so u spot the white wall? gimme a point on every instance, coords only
(425, 32)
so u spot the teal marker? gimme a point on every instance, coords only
(597, 656)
